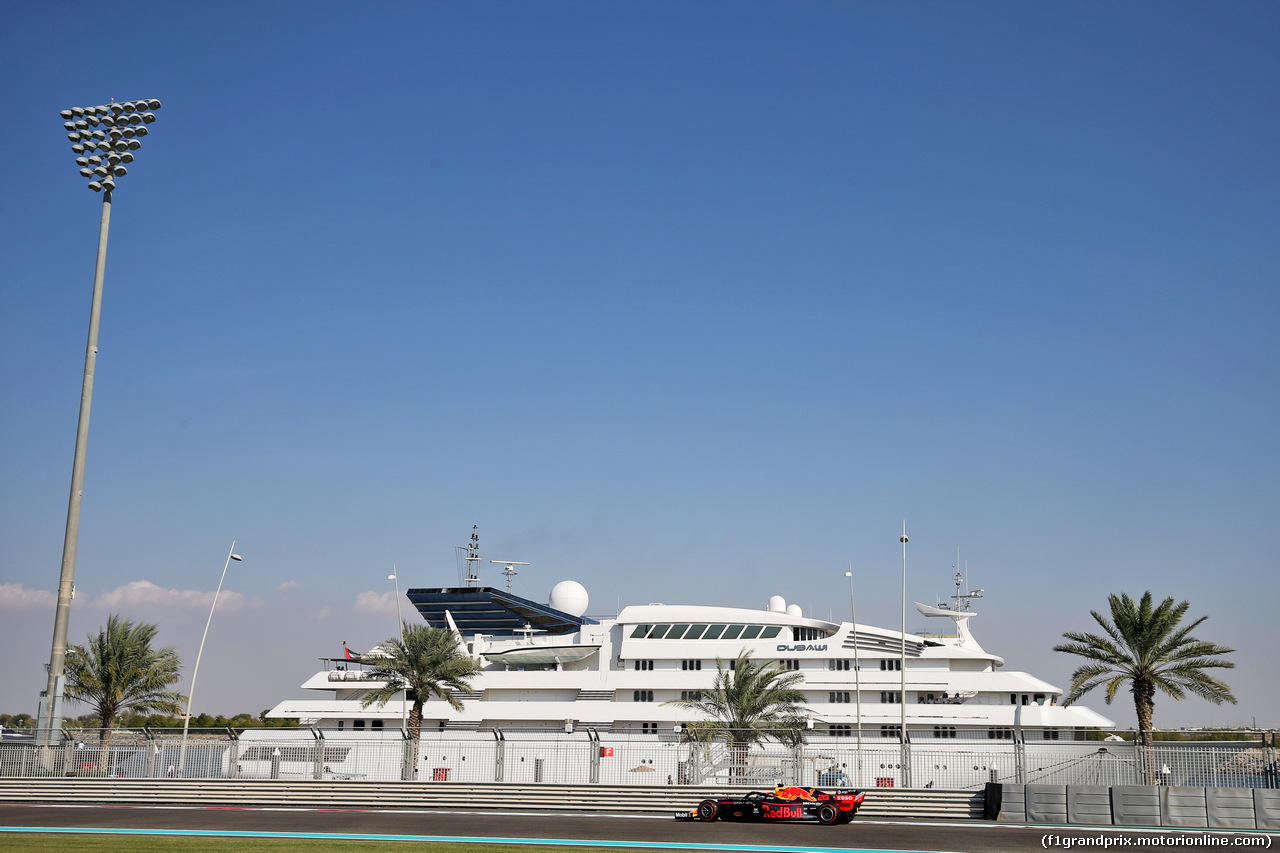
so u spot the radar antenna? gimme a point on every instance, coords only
(510, 571)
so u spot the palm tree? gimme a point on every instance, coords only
(749, 702)
(425, 662)
(119, 672)
(1148, 648)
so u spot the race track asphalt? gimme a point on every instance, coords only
(578, 829)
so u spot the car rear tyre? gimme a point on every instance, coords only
(707, 810)
(827, 814)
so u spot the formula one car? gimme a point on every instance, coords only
(786, 803)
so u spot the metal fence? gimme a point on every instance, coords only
(588, 757)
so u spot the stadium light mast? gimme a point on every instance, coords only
(104, 139)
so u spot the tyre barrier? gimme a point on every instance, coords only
(1135, 805)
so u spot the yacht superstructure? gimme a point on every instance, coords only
(549, 666)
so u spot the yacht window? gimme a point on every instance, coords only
(377, 724)
(659, 631)
(732, 632)
(640, 631)
(713, 632)
(676, 632)
(358, 724)
(1039, 698)
(695, 631)
(751, 632)
(769, 632)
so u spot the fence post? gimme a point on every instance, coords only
(1020, 757)
(233, 755)
(905, 758)
(406, 756)
(499, 754)
(317, 764)
(594, 743)
(151, 750)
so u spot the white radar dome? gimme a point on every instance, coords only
(794, 610)
(777, 604)
(570, 597)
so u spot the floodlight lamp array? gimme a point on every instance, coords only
(105, 137)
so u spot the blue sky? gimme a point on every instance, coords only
(691, 302)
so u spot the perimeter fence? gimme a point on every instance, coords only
(590, 757)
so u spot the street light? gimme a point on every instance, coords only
(104, 139)
(191, 692)
(404, 694)
(857, 664)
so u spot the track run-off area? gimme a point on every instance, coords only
(601, 831)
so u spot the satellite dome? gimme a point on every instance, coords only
(569, 597)
(777, 604)
(794, 610)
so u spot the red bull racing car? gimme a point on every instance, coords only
(786, 803)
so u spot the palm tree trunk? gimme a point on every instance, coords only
(1144, 704)
(415, 734)
(104, 747)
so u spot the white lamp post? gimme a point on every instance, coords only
(104, 139)
(404, 694)
(191, 692)
(857, 664)
(906, 768)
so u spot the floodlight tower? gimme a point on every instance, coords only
(104, 139)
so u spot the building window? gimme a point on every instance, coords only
(839, 697)
(643, 664)
(642, 696)
(691, 664)
(891, 697)
(891, 665)
(944, 731)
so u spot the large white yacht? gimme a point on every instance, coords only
(551, 667)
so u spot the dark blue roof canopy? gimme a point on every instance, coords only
(491, 611)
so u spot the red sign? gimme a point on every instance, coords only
(884, 781)
(606, 752)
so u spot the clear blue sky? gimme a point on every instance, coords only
(691, 302)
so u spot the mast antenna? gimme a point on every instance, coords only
(510, 571)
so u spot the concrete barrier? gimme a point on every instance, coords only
(1046, 803)
(1183, 807)
(1089, 804)
(1266, 808)
(1013, 804)
(1135, 805)
(1230, 808)
(880, 803)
